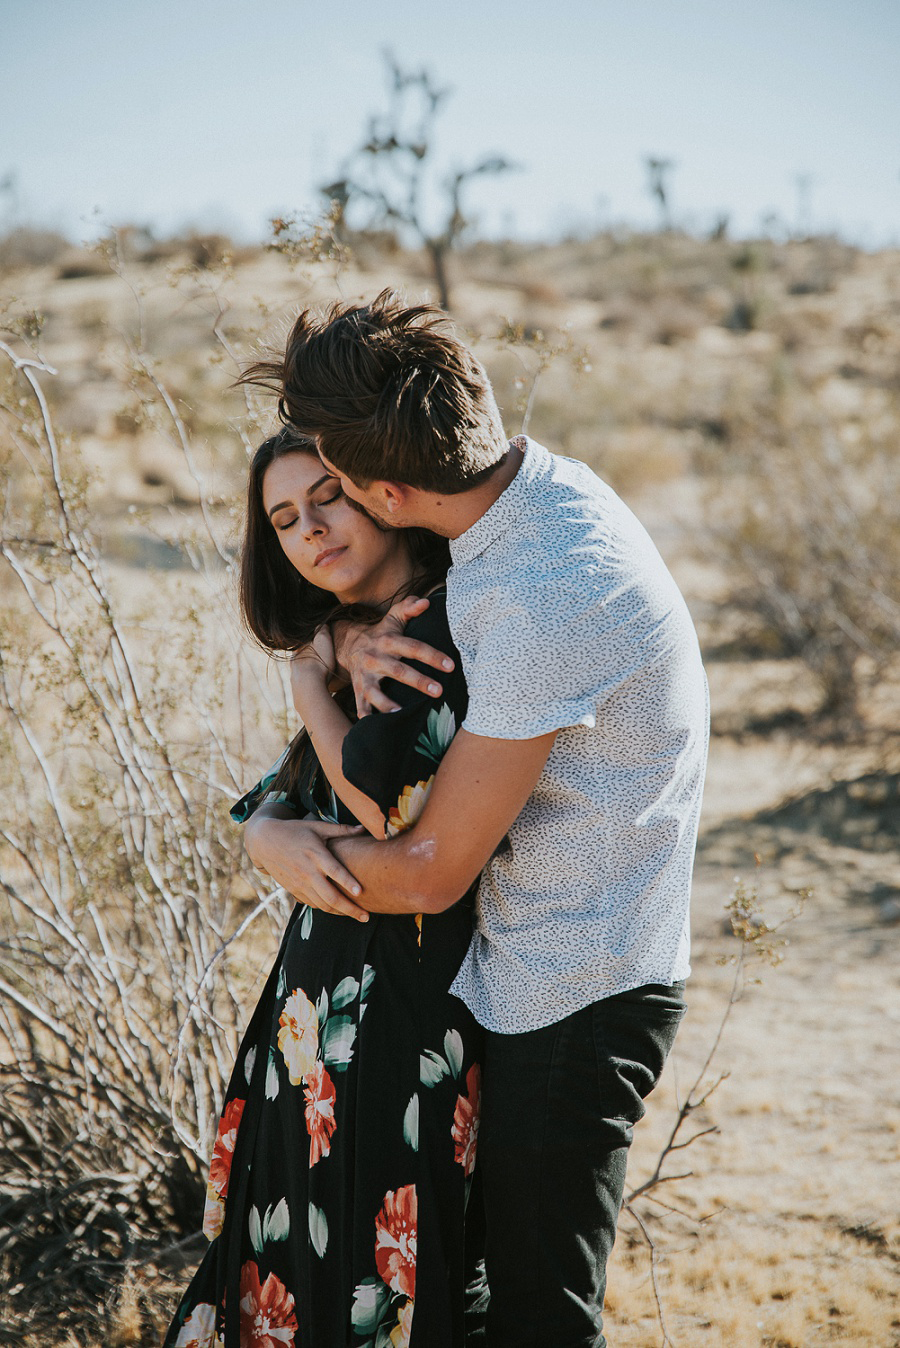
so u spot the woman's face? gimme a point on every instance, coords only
(330, 543)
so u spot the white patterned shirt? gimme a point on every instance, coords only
(567, 619)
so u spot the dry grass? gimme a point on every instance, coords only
(699, 353)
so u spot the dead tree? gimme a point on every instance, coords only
(394, 175)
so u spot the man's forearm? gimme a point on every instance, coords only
(399, 875)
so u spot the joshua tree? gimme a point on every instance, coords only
(395, 173)
(658, 171)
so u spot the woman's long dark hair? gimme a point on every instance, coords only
(281, 609)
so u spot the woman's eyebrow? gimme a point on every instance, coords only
(282, 505)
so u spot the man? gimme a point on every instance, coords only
(582, 753)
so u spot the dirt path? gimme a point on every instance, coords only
(805, 1249)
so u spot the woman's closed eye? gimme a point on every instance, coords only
(324, 501)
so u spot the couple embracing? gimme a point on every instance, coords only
(488, 823)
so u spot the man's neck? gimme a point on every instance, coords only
(453, 515)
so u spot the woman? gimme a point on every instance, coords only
(345, 1149)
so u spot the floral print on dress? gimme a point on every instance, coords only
(199, 1329)
(318, 1187)
(409, 806)
(466, 1119)
(400, 1334)
(320, 1122)
(396, 1230)
(267, 1311)
(220, 1168)
(440, 728)
(298, 1037)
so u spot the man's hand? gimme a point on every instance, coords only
(295, 853)
(370, 654)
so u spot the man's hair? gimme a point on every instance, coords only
(389, 394)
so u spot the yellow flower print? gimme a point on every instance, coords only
(298, 1037)
(399, 1335)
(408, 808)
(213, 1214)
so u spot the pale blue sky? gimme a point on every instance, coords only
(225, 112)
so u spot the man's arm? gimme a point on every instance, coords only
(480, 788)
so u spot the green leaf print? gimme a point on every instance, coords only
(277, 1222)
(322, 1008)
(282, 983)
(272, 1077)
(439, 731)
(318, 1230)
(337, 1041)
(453, 1047)
(306, 922)
(411, 1123)
(370, 1301)
(368, 979)
(276, 1225)
(249, 1063)
(330, 816)
(345, 991)
(431, 1068)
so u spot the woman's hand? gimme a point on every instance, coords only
(380, 651)
(295, 853)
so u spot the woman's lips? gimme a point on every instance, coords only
(329, 555)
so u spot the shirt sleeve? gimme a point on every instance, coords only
(393, 756)
(550, 658)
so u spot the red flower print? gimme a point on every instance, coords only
(320, 1121)
(220, 1169)
(466, 1118)
(223, 1151)
(395, 1240)
(267, 1311)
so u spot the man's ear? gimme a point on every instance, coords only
(395, 495)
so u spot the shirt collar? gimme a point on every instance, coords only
(506, 510)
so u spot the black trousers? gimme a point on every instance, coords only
(558, 1108)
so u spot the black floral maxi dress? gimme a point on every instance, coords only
(346, 1146)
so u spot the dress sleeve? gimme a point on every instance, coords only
(393, 756)
(307, 793)
(262, 794)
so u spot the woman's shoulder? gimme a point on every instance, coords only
(432, 626)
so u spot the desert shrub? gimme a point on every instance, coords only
(124, 891)
(803, 509)
(30, 246)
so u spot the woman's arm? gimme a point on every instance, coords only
(294, 853)
(327, 725)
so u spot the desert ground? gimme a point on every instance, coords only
(657, 359)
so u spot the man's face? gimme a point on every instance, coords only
(371, 499)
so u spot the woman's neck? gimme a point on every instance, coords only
(396, 576)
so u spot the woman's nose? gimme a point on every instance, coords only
(313, 525)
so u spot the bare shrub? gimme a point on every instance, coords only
(804, 512)
(124, 891)
(30, 246)
(759, 944)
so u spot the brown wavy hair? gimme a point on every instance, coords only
(390, 393)
(282, 610)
